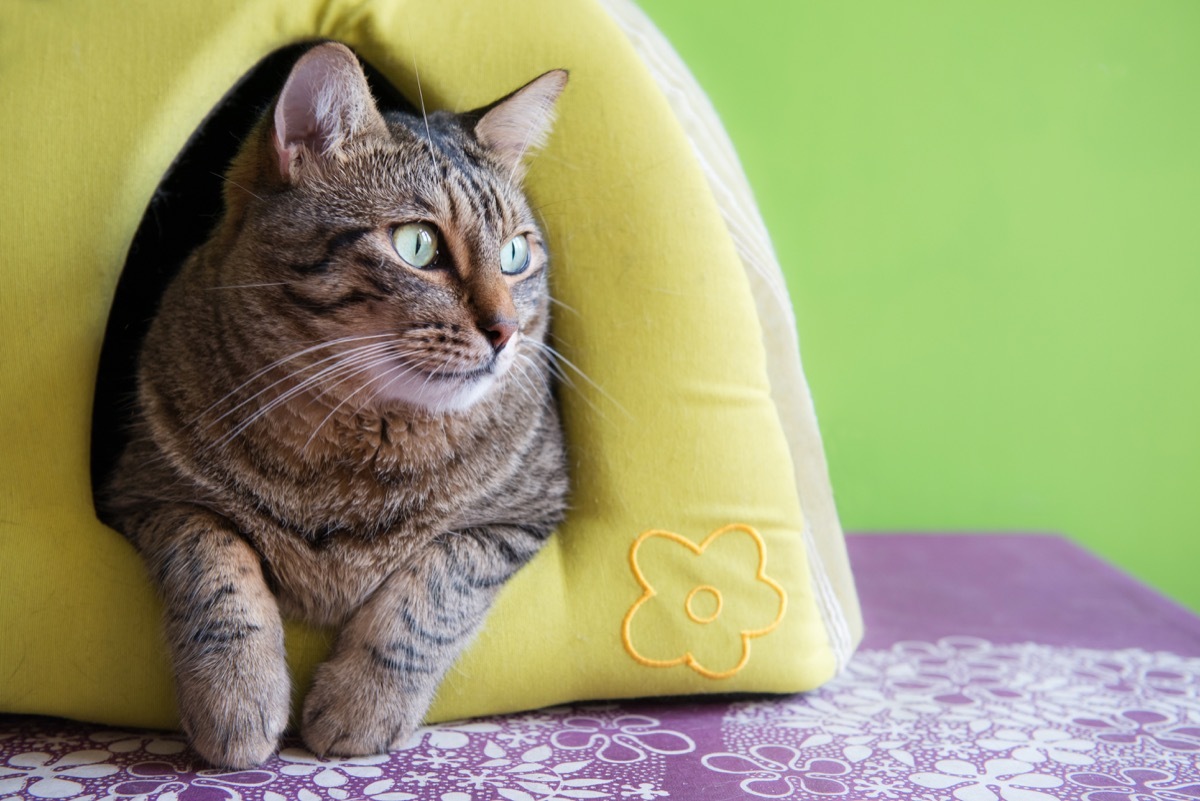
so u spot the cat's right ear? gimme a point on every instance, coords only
(325, 103)
(520, 122)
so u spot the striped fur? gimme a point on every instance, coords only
(327, 433)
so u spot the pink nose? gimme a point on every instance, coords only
(499, 331)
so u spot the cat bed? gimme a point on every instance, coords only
(702, 552)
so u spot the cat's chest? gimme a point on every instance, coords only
(323, 583)
(358, 478)
(330, 536)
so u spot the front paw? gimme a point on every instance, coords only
(352, 711)
(234, 718)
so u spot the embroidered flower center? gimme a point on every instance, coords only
(704, 603)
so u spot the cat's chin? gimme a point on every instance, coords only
(450, 389)
(438, 394)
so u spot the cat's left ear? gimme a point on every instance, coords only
(519, 123)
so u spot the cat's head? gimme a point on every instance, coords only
(404, 239)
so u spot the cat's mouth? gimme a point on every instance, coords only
(456, 375)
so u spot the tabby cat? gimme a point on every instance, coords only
(345, 412)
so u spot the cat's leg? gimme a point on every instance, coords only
(376, 687)
(225, 634)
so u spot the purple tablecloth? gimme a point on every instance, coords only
(995, 666)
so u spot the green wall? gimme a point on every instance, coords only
(989, 215)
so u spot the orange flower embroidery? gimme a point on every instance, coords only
(704, 601)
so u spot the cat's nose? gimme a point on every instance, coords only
(498, 331)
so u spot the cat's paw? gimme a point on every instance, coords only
(348, 713)
(235, 722)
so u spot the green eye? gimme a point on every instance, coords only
(514, 256)
(416, 243)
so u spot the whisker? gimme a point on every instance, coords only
(520, 380)
(359, 361)
(562, 305)
(368, 355)
(229, 180)
(432, 374)
(424, 116)
(365, 364)
(245, 286)
(347, 363)
(526, 381)
(544, 376)
(403, 369)
(346, 400)
(558, 357)
(278, 363)
(556, 371)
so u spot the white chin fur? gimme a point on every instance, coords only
(400, 384)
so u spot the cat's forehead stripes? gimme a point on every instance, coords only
(453, 173)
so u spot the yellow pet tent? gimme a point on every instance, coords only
(702, 552)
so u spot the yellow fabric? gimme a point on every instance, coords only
(678, 433)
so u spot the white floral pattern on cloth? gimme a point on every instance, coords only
(620, 739)
(960, 719)
(968, 720)
(510, 758)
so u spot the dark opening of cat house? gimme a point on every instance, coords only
(179, 217)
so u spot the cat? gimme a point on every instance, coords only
(345, 412)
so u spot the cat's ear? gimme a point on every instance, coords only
(325, 102)
(520, 122)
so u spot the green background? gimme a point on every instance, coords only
(988, 215)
